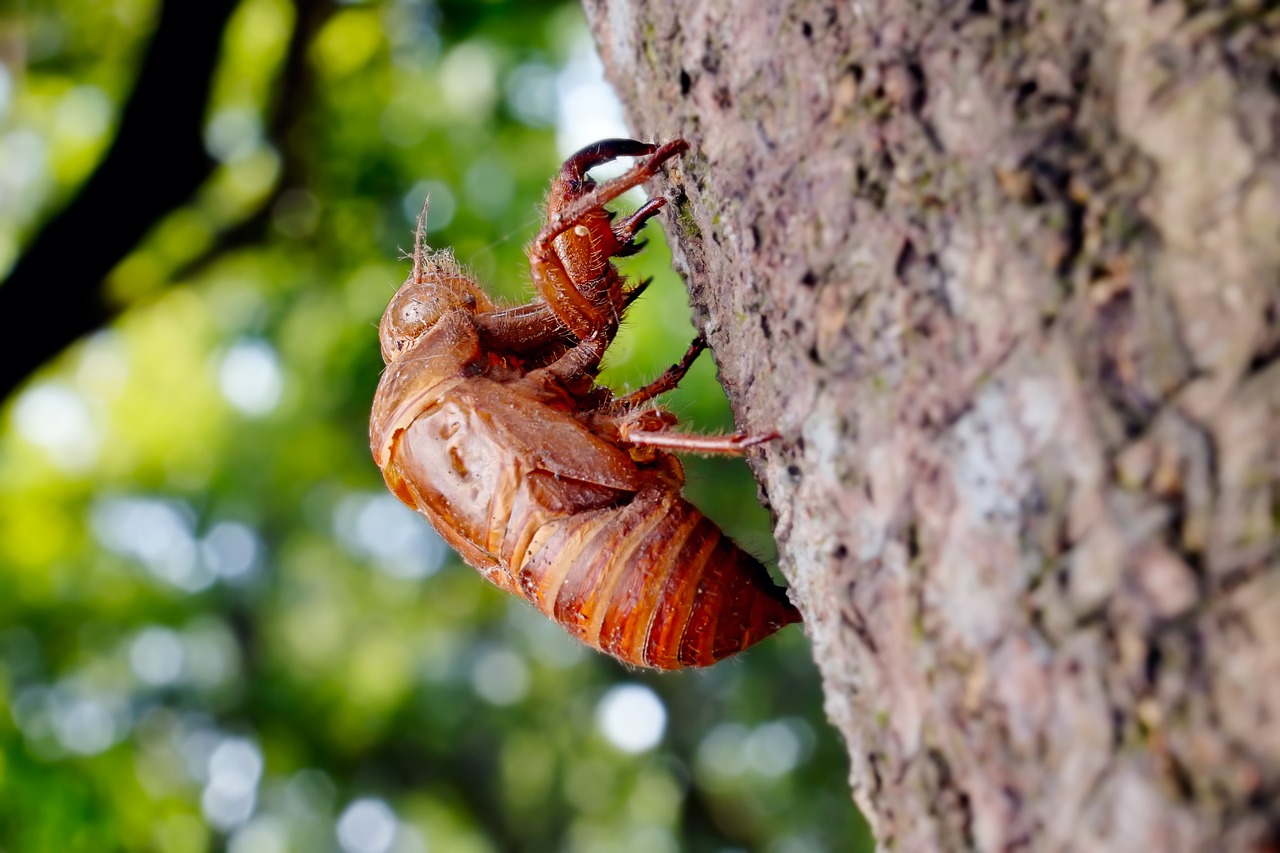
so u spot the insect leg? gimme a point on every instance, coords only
(569, 304)
(532, 326)
(625, 231)
(596, 154)
(522, 328)
(732, 445)
(571, 213)
(669, 379)
(582, 360)
(569, 258)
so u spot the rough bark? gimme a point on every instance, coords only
(1007, 277)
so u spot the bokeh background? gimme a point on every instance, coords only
(217, 629)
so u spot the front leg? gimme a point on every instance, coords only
(570, 257)
(565, 298)
(570, 207)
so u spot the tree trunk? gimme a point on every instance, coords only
(1006, 275)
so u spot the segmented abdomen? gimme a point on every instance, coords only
(623, 563)
(653, 582)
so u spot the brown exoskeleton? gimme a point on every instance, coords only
(489, 422)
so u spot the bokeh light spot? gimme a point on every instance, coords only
(104, 366)
(367, 826)
(6, 90)
(296, 213)
(235, 766)
(250, 376)
(377, 526)
(310, 792)
(531, 94)
(720, 754)
(773, 749)
(233, 134)
(156, 656)
(55, 418)
(84, 724)
(83, 114)
(587, 107)
(24, 160)
(469, 81)
(632, 717)
(260, 835)
(500, 677)
(156, 533)
(348, 41)
(230, 550)
(212, 653)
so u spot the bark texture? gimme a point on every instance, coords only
(1007, 277)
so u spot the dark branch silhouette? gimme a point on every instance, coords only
(156, 162)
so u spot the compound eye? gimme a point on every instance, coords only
(406, 319)
(410, 319)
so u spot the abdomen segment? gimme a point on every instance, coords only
(652, 582)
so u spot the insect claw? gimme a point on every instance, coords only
(745, 440)
(598, 153)
(630, 248)
(635, 290)
(625, 231)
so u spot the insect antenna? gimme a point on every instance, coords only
(420, 240)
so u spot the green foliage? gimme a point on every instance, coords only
(217, 628)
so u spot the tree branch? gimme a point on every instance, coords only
(156, 162)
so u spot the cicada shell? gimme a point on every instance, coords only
(488, 421)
